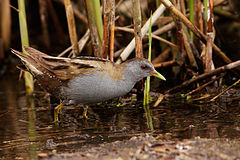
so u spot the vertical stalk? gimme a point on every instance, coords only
(205, 13)
(5, 25)
(28, 80)
(112, 36)
(148, 117)
(25, 42)
(199, 15)
(178, 54)
(108, 32)
(147, 82)
(187, 41)
(137, 19)
(71, 27)
(144, 30)
(32, 128)
(95, 25)
(195, 30)
(209, 29)
(190, 3)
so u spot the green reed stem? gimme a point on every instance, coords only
(25, 42)
(95, 24)
(191, 17)
(147, 82)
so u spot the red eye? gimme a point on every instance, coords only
(144, 67)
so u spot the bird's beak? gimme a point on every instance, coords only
(158, 75)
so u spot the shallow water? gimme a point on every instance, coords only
(27, 128)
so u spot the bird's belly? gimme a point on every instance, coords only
(94, 89)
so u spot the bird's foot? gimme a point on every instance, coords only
(58, 111)
(84, 114)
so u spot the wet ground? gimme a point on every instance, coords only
(176, 129)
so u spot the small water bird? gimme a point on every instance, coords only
(84, 80)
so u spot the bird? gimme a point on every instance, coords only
(84, 80)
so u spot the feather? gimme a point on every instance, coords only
(65, 69)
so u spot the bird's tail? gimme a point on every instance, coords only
(29, 61)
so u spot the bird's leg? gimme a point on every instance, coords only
(84, 114)
(58, 111)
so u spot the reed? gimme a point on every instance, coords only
(25, 42)
(5, 25)
(191, 17)
(137, 19)
(95, 25)
(71, 27)
(146, 98)
(108, 32)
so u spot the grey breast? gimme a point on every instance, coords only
(94, 88)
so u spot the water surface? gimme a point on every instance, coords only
(27, 127)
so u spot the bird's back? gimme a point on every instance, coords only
(52, 73)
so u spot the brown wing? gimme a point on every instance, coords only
(65, 68)
(54, 72)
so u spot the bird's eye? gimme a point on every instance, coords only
(144, 67)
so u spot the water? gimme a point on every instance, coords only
(27, 128)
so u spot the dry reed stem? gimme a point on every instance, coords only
(164, 29)
(137, 20)
(5, 24)
(163, 56)
(127, 51)
(188, 49)
(108, 25)
(163, 21)
(71, 27)
(112, 42)
(166, 64)
(195, 30)
(165, 41)
(112, 29)
(225, 68)
(225, 90)
(153, 36)
(117, 53)
(209, 22)
(203, 86)
(105, 44)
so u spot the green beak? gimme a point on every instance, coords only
(158, 75)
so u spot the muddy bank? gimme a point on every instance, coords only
(150, 146)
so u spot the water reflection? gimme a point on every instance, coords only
(32, 128)
(27, 128)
